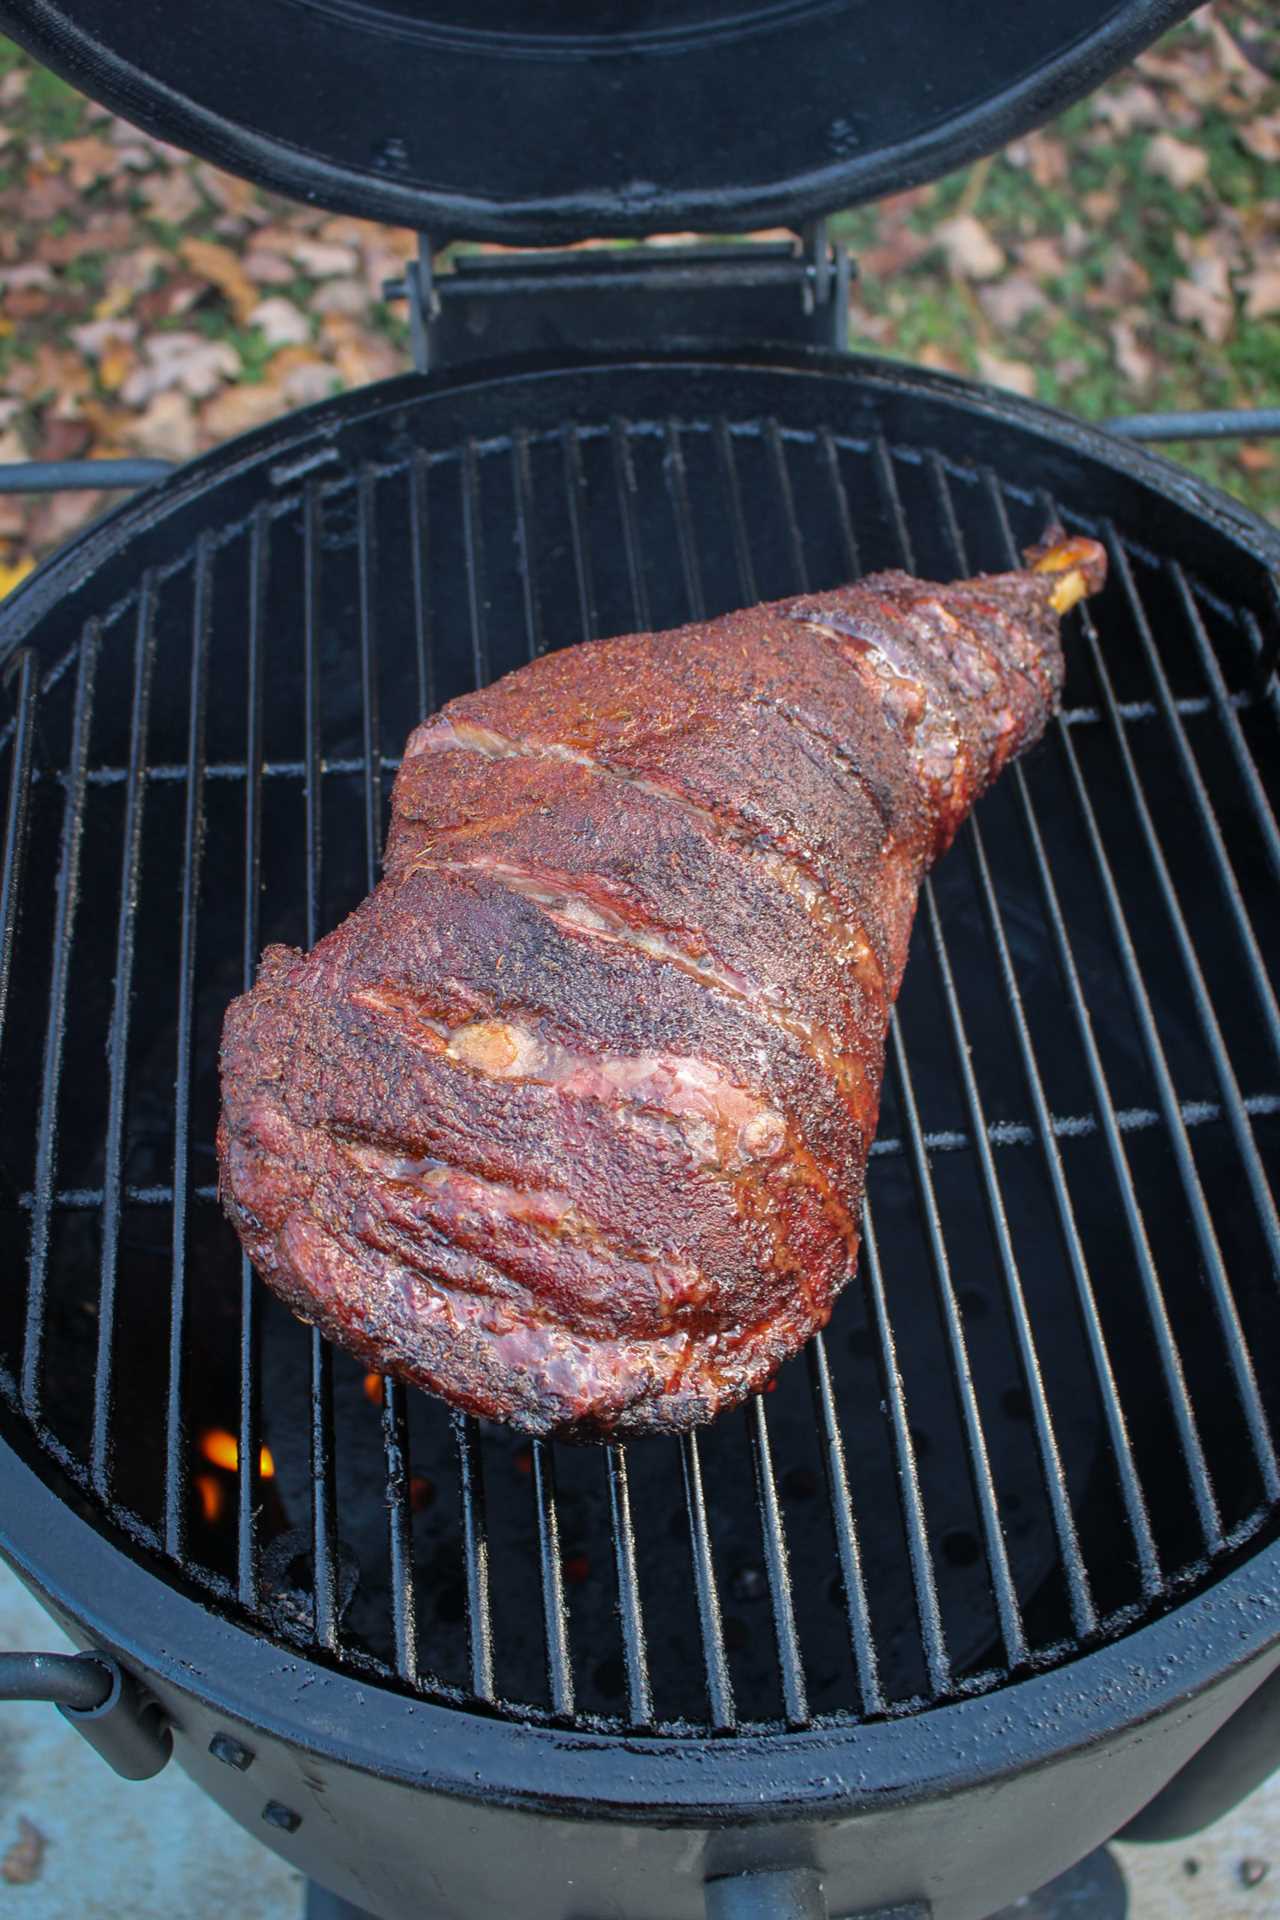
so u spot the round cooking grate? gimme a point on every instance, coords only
(1035, 1421)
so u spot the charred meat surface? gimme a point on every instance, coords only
(568, 1122)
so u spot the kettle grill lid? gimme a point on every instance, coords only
(539, 122)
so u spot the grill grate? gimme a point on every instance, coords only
(1036, 1417)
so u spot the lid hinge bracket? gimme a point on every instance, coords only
(474, 306)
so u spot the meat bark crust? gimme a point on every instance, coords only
(568, 1121)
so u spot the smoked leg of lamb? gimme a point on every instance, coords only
(568, 1121)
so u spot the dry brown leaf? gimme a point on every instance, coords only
(1007, 302)
(1136, 362)
(95, 336)
(1255, 458)
(281, 323)
(1014, 375)
(170, 196)
(101, 233)
(1198, 305)
(185, 360)
(171, 299)
(13, 87)
(268, 269)
(971, 252)
(128, 275)
(934, 354)
(1262, 293)
(898, 247)
(167, 428)
(1124, 108)
(221, 267)
(349, 297)
(239, 197)
(59, 515)
(321, 260)
(24, 1859)
(1261, 136)
(89, 160)
(237, 409)
(1100, 205)
(1044, 158)
(1176, 161)
(1042, 258)
(44, 196)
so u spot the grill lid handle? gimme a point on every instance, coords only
(104, 1704)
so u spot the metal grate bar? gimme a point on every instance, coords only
(1157, 1312)
(719, 1685)
(1083, 1615)
(624, 480)
(678, 490)
(849, 541)
(1266, 682)
(635, 1654)
(1131, 1493)
(1002, 1587)
(249, 1437)
(555, 1614)
(1003, 1591)
(67, 899)
(473, 553)
(24, 668)
(1223, 870)
(475, 1555)
(395, 1429)
(420, 555)
(865, 1662)
(395, 1444)
(923, 1580)
(144, 653)
(786, 493)
(366, 539)
(737, 520)
(575, 486)
(1226, 709)
(324, 1526)
(175, 1431)
(522, 482)
(795, 1701)
(1224, 1303)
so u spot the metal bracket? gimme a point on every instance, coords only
(104, 1704)
(686, 294)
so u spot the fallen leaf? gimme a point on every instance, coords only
(13, 87)
(227, 191)
(365, 357)
(89, 160)
(95, 336)
(1176, 161)
(128, 275)
(1043, 157)
(238, 409)
(1124, 108)
(1007, 302)
(1136, 362)
(12, 446)
(1262, 293)
(167, 428)
(1042, 258)
(349, 297)
(320, 260)
(101, 233)
(1014, 375)
(58, 515)
(971, 252)
(934, 354)
(1100, 205)
(1255, 458)
(222, 268)
(268, 269)
(117, 363)
(62, 439)
(171, 299)
(281, 323)
(44, 197)
(1200, 306)
(1261, 136)
(23, 1860)
(170, 196)
(185, 360)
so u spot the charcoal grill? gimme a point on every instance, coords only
(998, 1556)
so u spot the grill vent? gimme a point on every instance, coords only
(1037, 1416)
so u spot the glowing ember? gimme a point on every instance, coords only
(220, 1448)
(421, 1493)
(373, 1388)
(211, 1497)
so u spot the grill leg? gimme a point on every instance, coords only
(1094, 1886)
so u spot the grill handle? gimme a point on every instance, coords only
(104, 1704)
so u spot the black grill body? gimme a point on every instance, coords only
(955, 1601)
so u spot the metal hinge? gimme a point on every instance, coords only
(477, 305)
